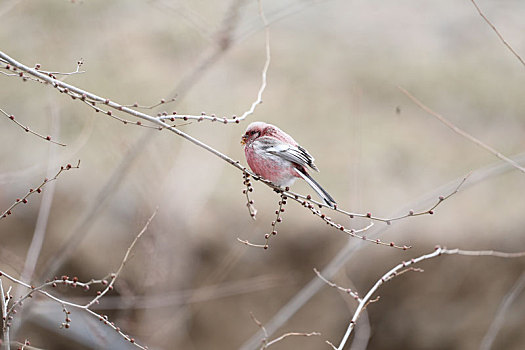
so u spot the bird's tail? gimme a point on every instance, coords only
(317, 188)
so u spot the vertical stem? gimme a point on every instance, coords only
(5, 327)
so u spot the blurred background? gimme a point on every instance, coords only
(333, 85)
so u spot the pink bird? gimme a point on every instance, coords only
(274, 155)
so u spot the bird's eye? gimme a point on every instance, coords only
(252, 132)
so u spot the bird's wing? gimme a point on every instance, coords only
(295, 154)
(317, 188)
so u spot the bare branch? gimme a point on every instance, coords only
(266, 344)
(311, 288)
(266, 65)
(31, 191)
(286, 335)
(497, 33)
(230, 22)
(74, 282)
(27, 129)
(406, 266)
(249, 202)
(224, 35)
(161, 102)
(460, 131)
(278, 219)
(92, 100)
(54, 74)
(246, 242)
(310, 203)
(5, 318)
(333, 285)
(114, 276)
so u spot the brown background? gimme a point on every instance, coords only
(332, 84)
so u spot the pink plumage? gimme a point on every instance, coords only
(276, 156)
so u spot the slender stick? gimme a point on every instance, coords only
(497, 33)
(5, 319)
(460, 131)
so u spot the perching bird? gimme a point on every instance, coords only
(274, 155)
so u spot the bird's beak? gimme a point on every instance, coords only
(243, 139)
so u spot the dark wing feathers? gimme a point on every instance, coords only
(295, 154)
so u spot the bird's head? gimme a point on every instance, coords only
(253, 131)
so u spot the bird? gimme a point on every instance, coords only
(276, 156)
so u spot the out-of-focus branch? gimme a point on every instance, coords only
(189, 296)
(67, 248)
(499, 318)
(8, 6)
(225, 42)
(362, 333)
(37, 241)
(266, 65)
(461, 132)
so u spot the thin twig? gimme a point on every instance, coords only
(266, 64)
(278, 219)
(297, 197)
(124, 260)
(93, 105)
(25, 345)
(161, 102)
(248, 243)
(336, 286)
(310, 203)
(461, 132)
(73, 91)
(27, 129)
(249, 202)
(80, 62)
(31, 191)
(225, 42)
(266, 344)
(300, 334)
(497, 33)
